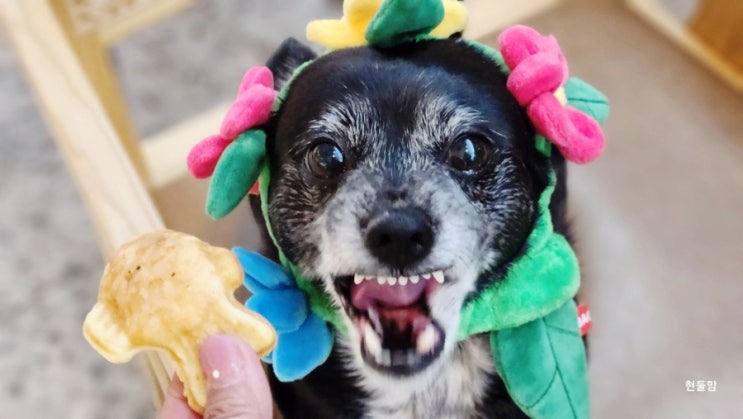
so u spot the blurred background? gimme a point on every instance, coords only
(658, 217)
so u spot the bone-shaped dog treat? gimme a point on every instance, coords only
(169, 291)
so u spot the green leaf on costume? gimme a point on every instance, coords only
(586, 98)
(236, 172)
(543, 364)
(398, 21)
(538, 282)
(543, 145)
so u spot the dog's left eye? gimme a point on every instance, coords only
(325, 160)
(469, 153)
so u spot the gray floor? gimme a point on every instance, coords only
(658, 215)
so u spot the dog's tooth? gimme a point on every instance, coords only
(369, 278)
(439, 276)
(392, 280)
(400, 357)
(426, 340)
(374, 318)
(378, 358)
(415, 278)
(426, 276)
(386, 357)
(372, 342)
(358, 278)
(382, 280)
(403, 280)
(411, 358)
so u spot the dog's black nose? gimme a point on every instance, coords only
(400, 237)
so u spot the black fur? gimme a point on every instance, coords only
(393, 80)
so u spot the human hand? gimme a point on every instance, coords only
(236, 386)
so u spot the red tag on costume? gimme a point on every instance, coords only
(255, 190)
(584, 319)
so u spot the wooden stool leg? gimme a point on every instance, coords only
(93, 55)
(719, 24)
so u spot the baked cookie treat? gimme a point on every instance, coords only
(169, 291)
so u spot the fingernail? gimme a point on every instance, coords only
(223, 360)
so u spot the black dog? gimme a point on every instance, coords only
(404, 180)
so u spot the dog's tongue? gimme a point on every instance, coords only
(399, 315)
(370, 293)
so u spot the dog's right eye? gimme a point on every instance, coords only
(469, 153)
(325, 160)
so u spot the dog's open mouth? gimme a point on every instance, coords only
(392, 315)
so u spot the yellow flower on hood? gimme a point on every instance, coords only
(351, 29)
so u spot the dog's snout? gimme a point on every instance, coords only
(400, 237)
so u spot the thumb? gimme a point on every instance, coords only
(236, 386)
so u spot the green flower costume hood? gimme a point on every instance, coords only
(529, 314)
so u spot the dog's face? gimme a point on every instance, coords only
(402, 180)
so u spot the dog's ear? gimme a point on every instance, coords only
(290, 55)
(266, 248)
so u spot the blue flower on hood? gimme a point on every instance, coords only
(304, 339)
